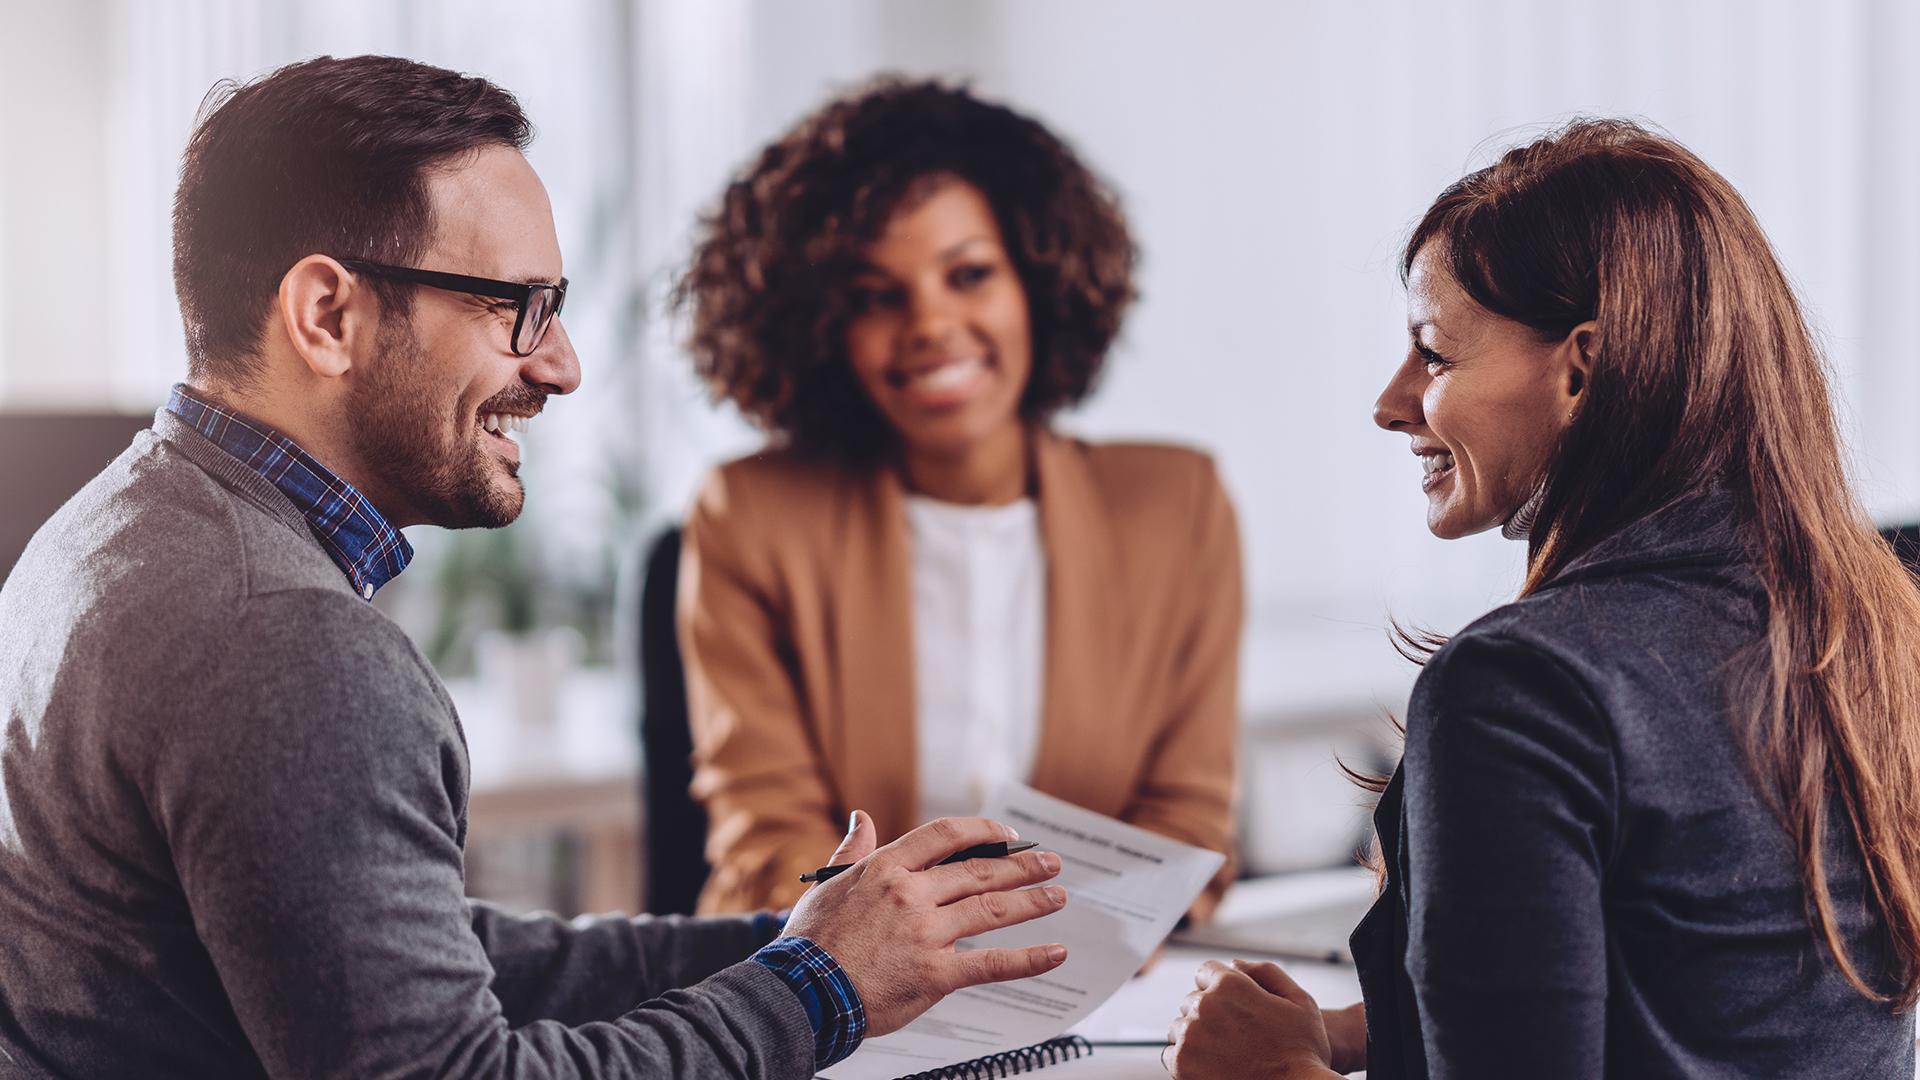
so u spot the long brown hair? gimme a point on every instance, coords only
(1704, 373)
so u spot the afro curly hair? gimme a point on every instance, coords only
(768, 289)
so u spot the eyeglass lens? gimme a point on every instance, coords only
(541, 308)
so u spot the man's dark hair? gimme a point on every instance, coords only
(324, 156)
(769, 290)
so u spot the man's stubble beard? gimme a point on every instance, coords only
(401, 433)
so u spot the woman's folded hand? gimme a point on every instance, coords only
(1249, 1019)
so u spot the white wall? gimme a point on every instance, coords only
(1272, 158)
(1275, 156)
(55, 252)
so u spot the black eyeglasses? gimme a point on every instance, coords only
(534, 305)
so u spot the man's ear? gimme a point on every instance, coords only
(1580, 344)
(323, 306)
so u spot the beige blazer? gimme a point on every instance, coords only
(795, 627)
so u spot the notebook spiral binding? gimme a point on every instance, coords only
(1012, 1062)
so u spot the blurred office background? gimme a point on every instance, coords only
(1271, 156)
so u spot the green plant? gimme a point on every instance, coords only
(489, 569)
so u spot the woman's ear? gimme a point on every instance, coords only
(1580, 344)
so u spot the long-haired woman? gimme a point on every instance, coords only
(1661, 815)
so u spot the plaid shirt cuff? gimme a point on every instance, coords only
(832, 1004)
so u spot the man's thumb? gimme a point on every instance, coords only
(859, 841)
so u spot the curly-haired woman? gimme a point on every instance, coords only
(920, 590)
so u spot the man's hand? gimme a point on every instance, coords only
(890, 922)
(1248, 1019)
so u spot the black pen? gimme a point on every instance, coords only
(999, 849)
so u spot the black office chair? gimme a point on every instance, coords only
(675, 827)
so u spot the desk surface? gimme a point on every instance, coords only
(1144, 1008)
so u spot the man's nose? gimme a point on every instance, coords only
(554, 366)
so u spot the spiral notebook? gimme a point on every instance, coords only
(1013, 1062)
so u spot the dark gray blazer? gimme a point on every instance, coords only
(1584, 878)
(233, 799)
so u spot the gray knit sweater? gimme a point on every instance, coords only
(232, 807)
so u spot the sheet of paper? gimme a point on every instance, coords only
(1145, 1008)
(1126, 888)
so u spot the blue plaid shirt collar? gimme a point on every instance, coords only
(370, 551)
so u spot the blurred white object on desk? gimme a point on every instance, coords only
(574, 774)
(528, 672)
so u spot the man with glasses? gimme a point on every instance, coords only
(233, 795)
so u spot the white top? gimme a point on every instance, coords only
(979, 648)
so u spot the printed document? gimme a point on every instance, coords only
(1126, 887)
